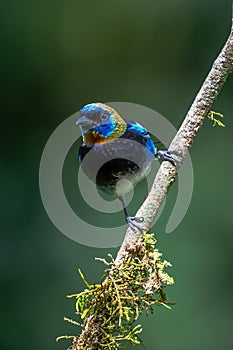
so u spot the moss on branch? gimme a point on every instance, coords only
(108, 312)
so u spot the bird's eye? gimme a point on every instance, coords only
(104, 117)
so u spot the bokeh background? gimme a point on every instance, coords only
(55, 57)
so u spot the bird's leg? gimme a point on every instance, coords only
(131, 220)
(167, 155)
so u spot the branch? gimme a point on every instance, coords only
(199, 110)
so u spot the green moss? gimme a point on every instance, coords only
(109, 311)
(212, 116)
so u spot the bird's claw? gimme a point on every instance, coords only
(137, 219)
(133, 220)
(167, 155)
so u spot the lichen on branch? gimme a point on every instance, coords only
(108, 312)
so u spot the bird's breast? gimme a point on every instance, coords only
(116, 166)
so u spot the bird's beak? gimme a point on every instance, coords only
(83, 120)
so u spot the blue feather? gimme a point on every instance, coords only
(151, 147)
(91, 107)
(107, 128)
(140, 130)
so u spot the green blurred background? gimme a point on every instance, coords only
(59, 55)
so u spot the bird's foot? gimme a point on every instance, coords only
(133, 222)
(167, 155)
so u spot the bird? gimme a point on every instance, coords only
(116, 153)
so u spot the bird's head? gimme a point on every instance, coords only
(100, 123)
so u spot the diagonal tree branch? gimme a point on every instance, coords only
(199, 110)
